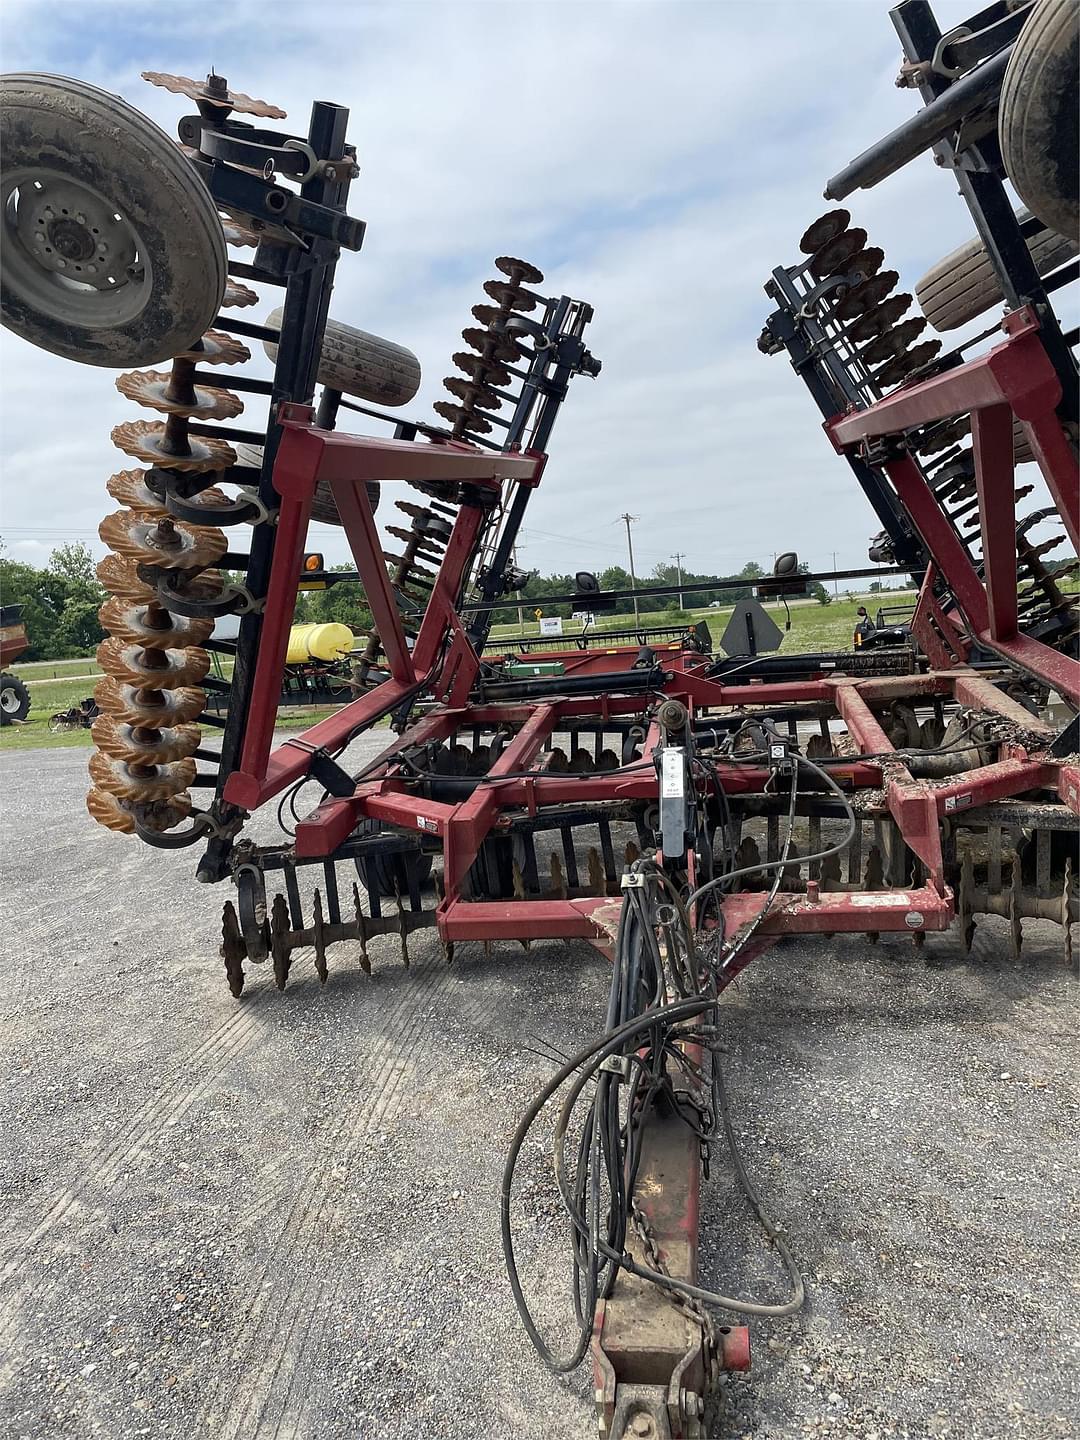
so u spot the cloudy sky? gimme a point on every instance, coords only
(656, 159)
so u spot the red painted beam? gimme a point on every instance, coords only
(992, 437)
(994, 782)
(1017, 372)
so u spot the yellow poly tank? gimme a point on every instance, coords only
(318, 642)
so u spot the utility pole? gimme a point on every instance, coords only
(629, 520)
(835, 583)
(521, 613)
(678, 558)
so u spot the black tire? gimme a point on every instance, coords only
(14, 699)
(1037, 115)
(359, 364)
(385, 875)
(965, 285)
(66, 139)
(324, 506)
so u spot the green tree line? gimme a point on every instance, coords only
(59, 603)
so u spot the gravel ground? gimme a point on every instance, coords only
(277, 1220)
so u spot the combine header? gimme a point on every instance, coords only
(679, 810)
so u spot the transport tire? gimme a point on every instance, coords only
(1037, 115)
(965, 285)
(14, 699)
(113, 252)
(365, 366)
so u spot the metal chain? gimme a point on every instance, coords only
(693, 1309)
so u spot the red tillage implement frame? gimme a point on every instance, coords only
(878, 790)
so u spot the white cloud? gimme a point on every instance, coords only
(656, 159)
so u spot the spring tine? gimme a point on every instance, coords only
(361, 929)
(569, 856)
(772, 839)
(631, 853)
(874, 876)
(518, 882)
(855, 855)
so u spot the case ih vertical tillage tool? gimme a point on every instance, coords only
(681, 812)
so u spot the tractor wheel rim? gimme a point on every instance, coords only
(9, 699)
(71, 252)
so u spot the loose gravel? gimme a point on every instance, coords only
(278, 1219)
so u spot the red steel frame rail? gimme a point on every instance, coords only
(1013, 379)
(307, 455)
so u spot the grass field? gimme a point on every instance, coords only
(813, 626)
(53, 684)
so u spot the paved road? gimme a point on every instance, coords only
(278, 1220)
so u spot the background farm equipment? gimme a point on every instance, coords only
(75, 717)
(681, 810)
(14, 641)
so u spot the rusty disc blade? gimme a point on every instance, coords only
(893, 342)
(216, 348)
(152, 389)
(866, 263)
(121, 578)
(116, 814)
(126, 780)
(166, 544)
(883, 317)
(861, 298)
(459, 416)
(498, 347)
(144, 745)
(205, 92)
(942, 436)
(109, 811)
(470, 393)
(154, 709)
(832, 257)
(487, 314)
(129, 487)
(143, 440)
(152, 625)
(156, 669)
(240, 236)
(238, 296)
(825, 228)
(479, 369)
(519, 270)
(903, 365)
(510, 297)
